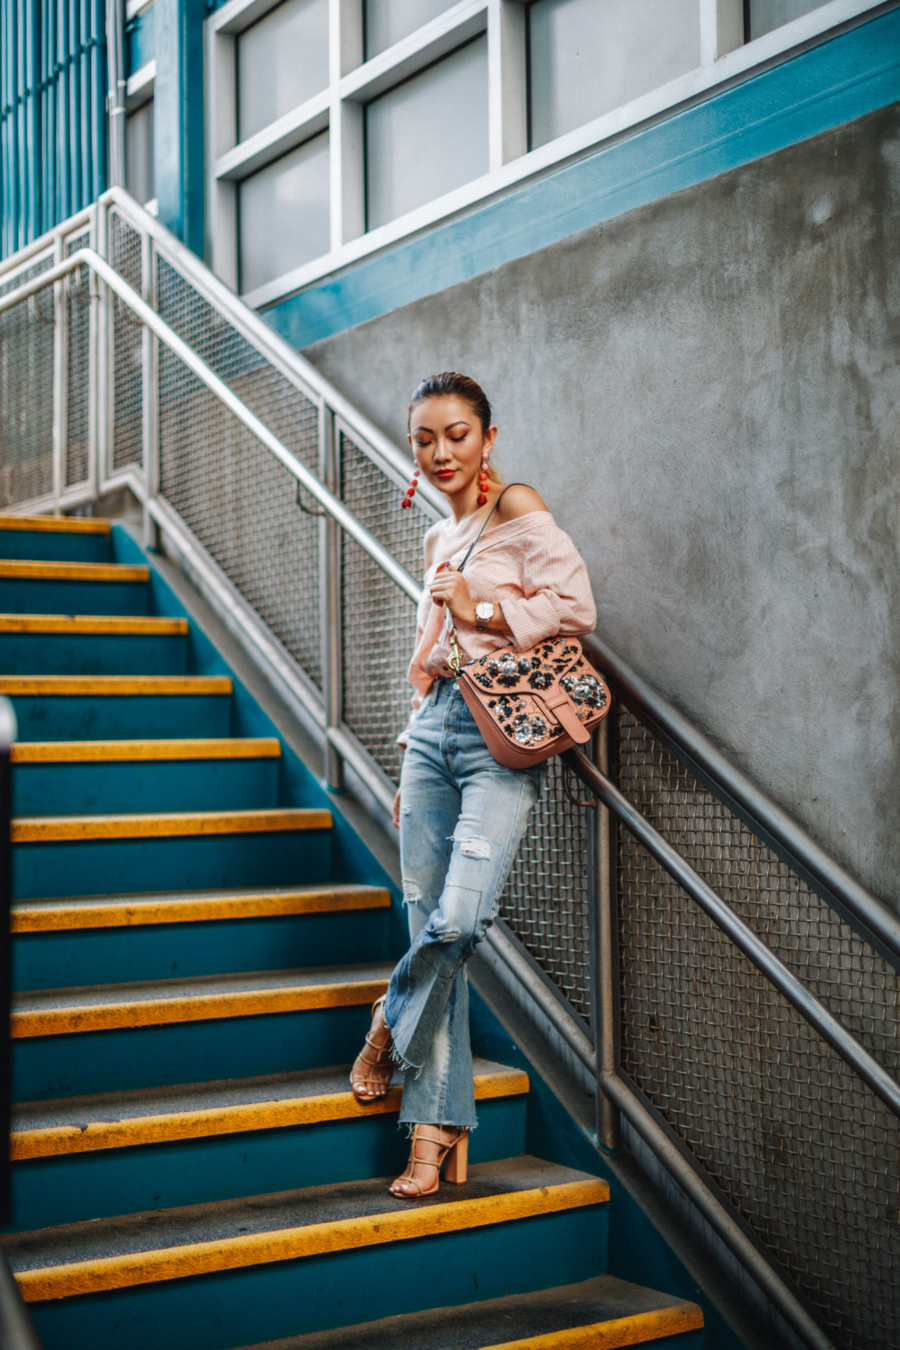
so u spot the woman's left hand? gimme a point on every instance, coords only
(449, 588)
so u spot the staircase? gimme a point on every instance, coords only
(198, 938)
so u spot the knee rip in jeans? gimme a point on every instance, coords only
(473, 847)
(412, 893)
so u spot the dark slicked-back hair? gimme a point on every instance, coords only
(450, 384)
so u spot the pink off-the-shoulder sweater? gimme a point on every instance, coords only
(532, 568)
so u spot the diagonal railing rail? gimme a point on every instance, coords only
(731, 990)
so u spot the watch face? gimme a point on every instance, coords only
(484, 610)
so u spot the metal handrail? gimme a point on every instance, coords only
(72, 225)
(768, 820)
(86, 257)
(741, 934)
(17, 1331)
(263, 336)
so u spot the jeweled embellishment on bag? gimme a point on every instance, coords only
(520, 679)
(584, 688)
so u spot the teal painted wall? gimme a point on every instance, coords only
(178, 118)
(53, 83)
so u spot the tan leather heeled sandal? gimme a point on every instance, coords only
(455, 1150)
(372, 1069)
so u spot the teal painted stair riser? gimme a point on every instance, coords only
(93, 654)
(351, 860)
(99, 788)
(117, 717)
(208, 862)
(52, 596)
(240, 1307)
(185, 1052)
(94, 1185)
(53, 546)
(162, 951)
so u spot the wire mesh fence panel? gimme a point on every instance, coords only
(127, 348)
(27, 390)
(241, 503)
(545, 901)
(379, 620)
(78, 360)
(285, 409)
(802, 1148)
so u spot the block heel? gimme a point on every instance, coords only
(457, 1167)
(454, 1150)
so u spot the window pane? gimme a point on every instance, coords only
(284, 215)
(427, 136)
(768, 14)
(387, 21)
(139, 153)
(281, 62)
(590, 56)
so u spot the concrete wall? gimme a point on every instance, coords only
(706, 391)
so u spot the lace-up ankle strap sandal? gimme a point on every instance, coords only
(431, 1144)
(372, 1069)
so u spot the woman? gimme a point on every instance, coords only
(460, 814)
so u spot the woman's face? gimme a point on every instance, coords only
(448, 442)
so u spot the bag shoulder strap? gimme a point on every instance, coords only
(487, 522)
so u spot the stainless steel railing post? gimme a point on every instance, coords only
(605, 1011)
(149, 394)
(332, 609)
(60, 382)
(97, 374)
(105, 363)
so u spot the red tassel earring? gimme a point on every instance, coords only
(483, 481)
(411, 490)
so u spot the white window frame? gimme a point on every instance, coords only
(724, 59)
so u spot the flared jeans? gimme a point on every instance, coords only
(462, 816)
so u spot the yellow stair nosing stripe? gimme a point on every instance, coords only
(57, 686)
(91, 623)
(203, 1123)
(187, 748)
(234, 1253)
(63, 917)
(615, 1332)
(49, 570)
(156, 825)
(55, 524)
(26, 1024)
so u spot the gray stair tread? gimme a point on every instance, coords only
(155, 1230)
(475, 1326)
(79, 996)
(110, 1107)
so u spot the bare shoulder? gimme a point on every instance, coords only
(429, 543)
(520, 500)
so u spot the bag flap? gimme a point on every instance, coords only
(559, 708)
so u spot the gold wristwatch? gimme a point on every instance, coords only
(484, 612)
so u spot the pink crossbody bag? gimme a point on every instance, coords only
(534, 704)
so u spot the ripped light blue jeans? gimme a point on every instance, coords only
(462, 816)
